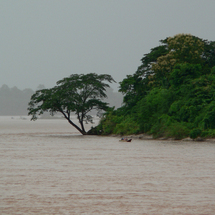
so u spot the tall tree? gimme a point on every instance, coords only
(135, 86)
(171, 93)
(157, 65)
(182, 48)
(77, 94)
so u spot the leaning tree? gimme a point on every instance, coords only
(78, 94)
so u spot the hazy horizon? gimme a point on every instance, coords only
(45, 41)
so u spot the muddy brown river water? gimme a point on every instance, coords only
(46, 167)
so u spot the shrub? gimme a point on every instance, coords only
(210, 133)
(204, 134)
(127, 126)
(158, 130)
(196, 132)
(177, 130)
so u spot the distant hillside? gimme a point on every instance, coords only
(14, 101)
(114, 98)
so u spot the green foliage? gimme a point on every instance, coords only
(136, 86)
(109, 121)
(177, 131)
(167, 127)
(209, 133)
(196, 132)
(127, 126)
(152, 107)
(108, 126)
(172, 93)
(209, 119)
(158, 130)
(77, 94)
(184, 73)
(213, 70)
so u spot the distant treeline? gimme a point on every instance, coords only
(14, 102)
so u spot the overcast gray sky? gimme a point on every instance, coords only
(43, 41)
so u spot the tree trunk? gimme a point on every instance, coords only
(73, 124)
(80, 130)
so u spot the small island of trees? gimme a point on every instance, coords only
(171, 95)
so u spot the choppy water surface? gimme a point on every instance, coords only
(48, 168)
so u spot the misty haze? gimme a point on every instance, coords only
(14, 102)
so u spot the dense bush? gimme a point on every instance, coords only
(127, 126)
(196, 132)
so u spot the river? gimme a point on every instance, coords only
(47, 167)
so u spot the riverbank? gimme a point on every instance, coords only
(150, 137)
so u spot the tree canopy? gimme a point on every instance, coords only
(78, 93)
(171, 94)
(157, 65)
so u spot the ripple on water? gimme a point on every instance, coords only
(48, 168)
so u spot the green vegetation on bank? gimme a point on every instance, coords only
(172, 93)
